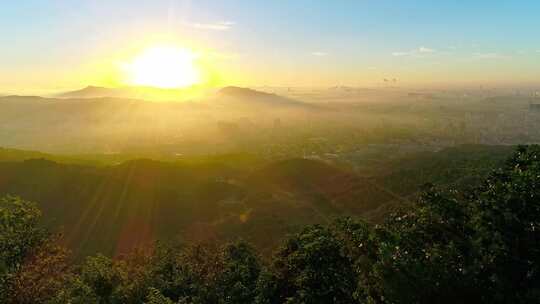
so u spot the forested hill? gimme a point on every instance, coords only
(474, 246)
(111, 204)
(112, 209)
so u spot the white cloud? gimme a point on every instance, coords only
(218, 26)
(490, 56)
(419, 52)
(319, 54)
(424, 49)
(399, 54)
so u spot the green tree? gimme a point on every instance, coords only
(19, 236)
(310, 268)
(480, 246)
(424, 252)
(136, 275)
(187, 273)
(42, 275)
(506, 219)
(155, 297)
(103, 277)
(75, 291)
(360, 243)
(237, 280)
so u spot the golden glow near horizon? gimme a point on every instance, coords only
(164, 67)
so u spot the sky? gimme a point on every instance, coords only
(49, 45)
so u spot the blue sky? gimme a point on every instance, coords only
(54, 44)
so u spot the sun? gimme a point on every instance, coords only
(164, 67)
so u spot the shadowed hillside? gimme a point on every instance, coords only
(100, 200)
(115, 208)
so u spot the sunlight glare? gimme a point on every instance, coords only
(164, 67)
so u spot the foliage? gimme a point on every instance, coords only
(42, 275)
(479, 246)
(309, 268)
(505, 214)
(19, 230)
(75, 291)
(19, 235)
(155, 297)
(237, 280)
(206, 273)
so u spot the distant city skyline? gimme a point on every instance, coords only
(59, 45)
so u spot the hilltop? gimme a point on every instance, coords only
(246, 97)
(135, 92)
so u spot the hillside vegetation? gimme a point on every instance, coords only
(474, 246)
(113, 209)
(111, 204)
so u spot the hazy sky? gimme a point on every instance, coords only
(57, 44)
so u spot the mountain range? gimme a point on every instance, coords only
(102, 119)
(230, 93)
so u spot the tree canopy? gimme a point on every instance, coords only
(476, 246)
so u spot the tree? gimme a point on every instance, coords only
(480, 246)
(19, 236)
(42, 275)
(103, 277)
(310, 268)
(136, 275)
(506, 220)
(75, 291)
(237, 280)
(477, 246)
(424, 252)
(155, 297)
(360, 243)
(188, 273)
